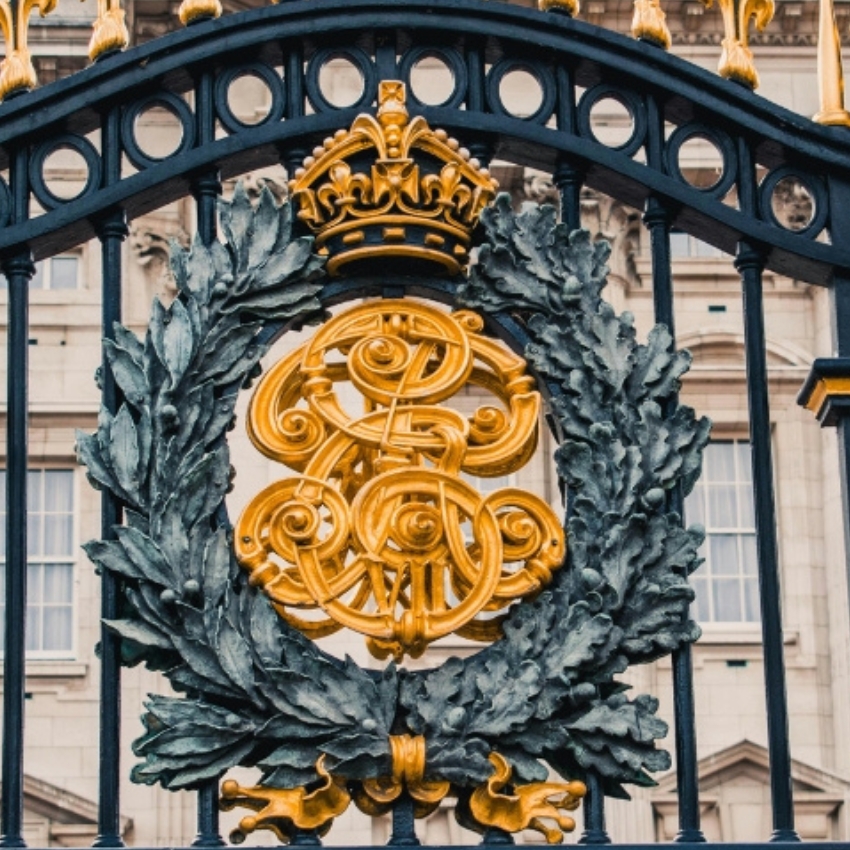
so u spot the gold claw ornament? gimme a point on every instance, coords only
(736, 60)
(524, 806)
(285, 811)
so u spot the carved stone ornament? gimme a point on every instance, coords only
(253, 688)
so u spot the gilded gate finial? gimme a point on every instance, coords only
(109, 31)
(193, 10)
(736, 61)
(565, 7)
(16, 70)
(366, 197)
(650, 23)
(830, 71)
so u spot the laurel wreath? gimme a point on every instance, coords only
(253, 691)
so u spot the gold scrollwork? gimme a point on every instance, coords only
(525, 806)
(736, 59)
(16, 70)
(285, 811)
(380, 532)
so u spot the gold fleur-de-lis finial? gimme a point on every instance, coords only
(736, 60)
(830, 71)
(16, 70)
(109, 32)
(649, 23)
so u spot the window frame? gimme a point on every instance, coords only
(71, 560)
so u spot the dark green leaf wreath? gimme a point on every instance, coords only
(255, 691)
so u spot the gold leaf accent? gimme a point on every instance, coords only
(566, 7)
(650, 23)
(284, 811)
(16, 70)
(830, 71)
(736, 60)
(109, 31)
(193, 10)
(496, 804)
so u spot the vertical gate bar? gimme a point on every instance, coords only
(19, 270)
(206, 188)
(657, 218)
(750, 264)
(294, 83)
(112, 230)
(476, 101)
(567, 177)
(595, 831)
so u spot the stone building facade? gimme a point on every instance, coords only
(62, 684)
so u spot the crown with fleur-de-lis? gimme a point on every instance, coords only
(392, 189)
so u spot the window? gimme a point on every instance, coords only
(60, 272)
(685, 245)
(726, 585)
(50, 571)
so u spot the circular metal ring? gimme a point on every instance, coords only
(632, 103)
(261, 72)
(544, 79)
(361, 61)
(720, 140)
(816, 188)
(451, 59)
(173, 104)
(79, 144)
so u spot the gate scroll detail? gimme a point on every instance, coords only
(543, 694)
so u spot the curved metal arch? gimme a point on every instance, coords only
(572, 53)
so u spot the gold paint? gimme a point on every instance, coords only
(567, 7)
(524, 806)
(193, 10)
(375, 796)
(379, 531)
(650, 23)
(830, 72)
(284, 811)
(394, 234)
(736, 60)
(16, 70)
(353, 238)
(434, 240)
(824, 390)
(109, 31)
(335, 196)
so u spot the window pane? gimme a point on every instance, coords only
(64, 272)
(59, 490)
(727, 600)
(679, 245)
(751, 600)
(58, 534)
(34, 482)
(745, 461)
(37, 281)
(720, 462)
(34, 542)
(33, 628)
(701, 603)
(745, 505)
(722, 507)
(57, 628)
(2, 491)
(58, 584)
(749, 562)
(723, 554)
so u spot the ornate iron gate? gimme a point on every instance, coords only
(576, 65)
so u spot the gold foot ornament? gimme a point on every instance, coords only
(286, 811)
(650, 23)
(524, 806)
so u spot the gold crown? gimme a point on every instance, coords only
(367, 198)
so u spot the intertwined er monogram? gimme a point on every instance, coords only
(378, 531)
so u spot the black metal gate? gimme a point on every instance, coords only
(576, 66)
